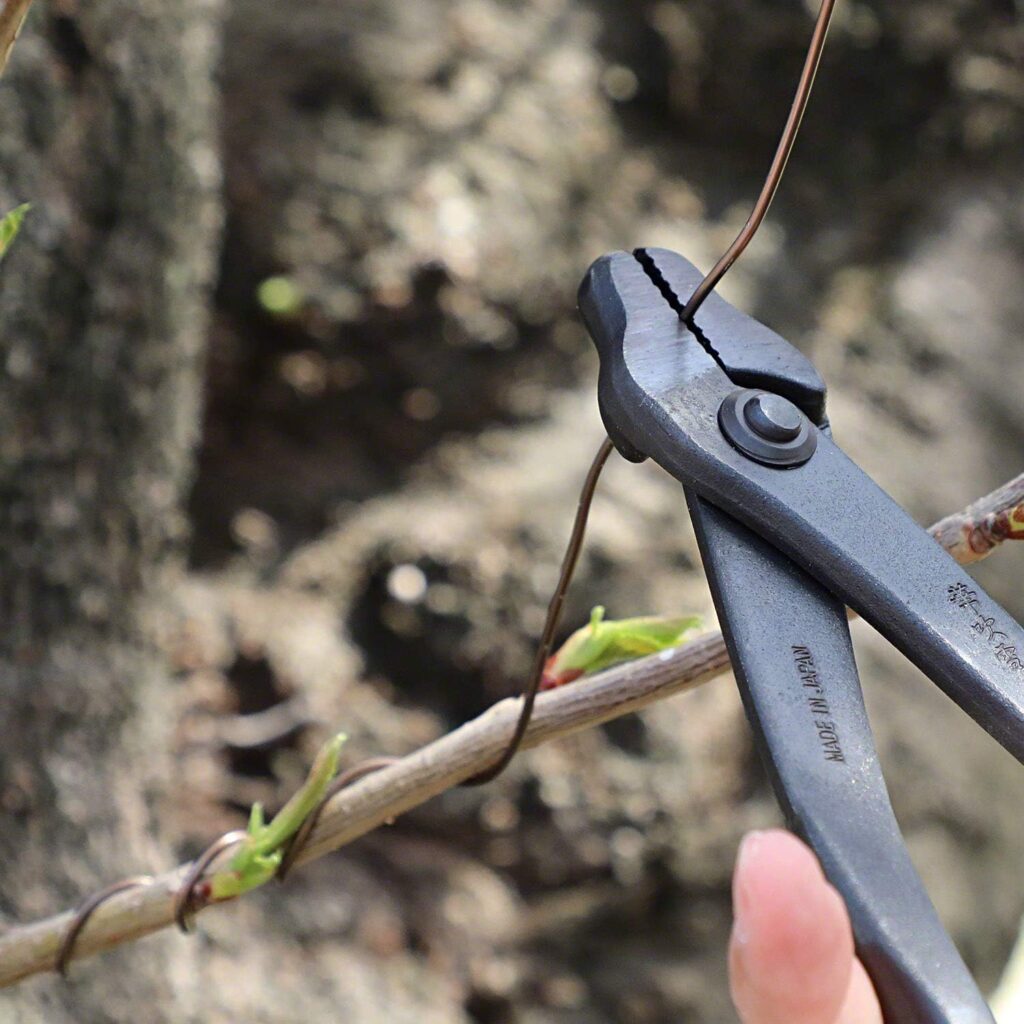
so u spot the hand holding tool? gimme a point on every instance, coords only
(791, 531)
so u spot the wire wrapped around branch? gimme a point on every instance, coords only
(127, 912)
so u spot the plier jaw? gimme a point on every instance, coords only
(787, 546)
(631, 303)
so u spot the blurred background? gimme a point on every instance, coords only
(294, 409)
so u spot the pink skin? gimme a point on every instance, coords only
(791, 957)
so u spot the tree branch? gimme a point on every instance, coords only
(429, 771)
(12, 17)
(970, 535)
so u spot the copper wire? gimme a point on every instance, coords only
(701, 292)
(84, 911)
(777, 169)
(554, 615)
(185, 897)
(346, 778)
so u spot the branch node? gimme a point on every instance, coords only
(188, 899)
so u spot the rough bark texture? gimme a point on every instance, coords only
(106, 126)
(433, 178)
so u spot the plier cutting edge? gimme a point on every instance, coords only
(792, 533)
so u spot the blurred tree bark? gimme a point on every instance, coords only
(107, 127)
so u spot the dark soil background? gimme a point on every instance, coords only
(424, 182)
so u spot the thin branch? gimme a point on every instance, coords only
(416, 778)
(389, 792)
(972, 534)
(12, 17)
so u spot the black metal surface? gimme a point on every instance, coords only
(785, 549)
(660, 389)
(790, 647)
(753, 355)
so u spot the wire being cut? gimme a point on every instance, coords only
(686, 314)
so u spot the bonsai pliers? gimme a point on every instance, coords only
(791, 533)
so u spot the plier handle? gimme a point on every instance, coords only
(792, 532)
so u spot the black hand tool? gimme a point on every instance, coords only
(792, 532)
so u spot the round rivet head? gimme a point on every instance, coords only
(767, 428)
(774, 418)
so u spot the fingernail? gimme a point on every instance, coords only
(740, 896)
